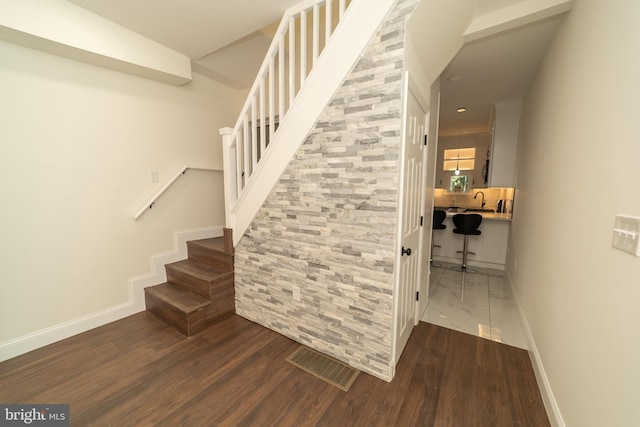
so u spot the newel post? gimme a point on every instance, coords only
(227, 165)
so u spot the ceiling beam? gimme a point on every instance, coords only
(515, 16)
(64, 29)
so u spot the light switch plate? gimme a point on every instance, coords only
(626, 234)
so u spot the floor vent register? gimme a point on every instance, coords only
(324, 367)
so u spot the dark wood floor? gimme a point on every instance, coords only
(140, 372)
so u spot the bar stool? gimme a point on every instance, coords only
(438, 219)
(466, 224)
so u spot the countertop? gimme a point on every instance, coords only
(493, 216)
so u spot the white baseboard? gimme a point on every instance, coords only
(43, 337)
(550, 403)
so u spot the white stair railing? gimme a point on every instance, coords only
(297, 56)
(299, 41)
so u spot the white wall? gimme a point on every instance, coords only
(578, 168)
(77, 147)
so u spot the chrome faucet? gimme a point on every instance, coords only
(483, 201)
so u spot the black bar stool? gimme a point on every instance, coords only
(466, 224)
(438, 219)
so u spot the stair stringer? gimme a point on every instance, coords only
(340, 55)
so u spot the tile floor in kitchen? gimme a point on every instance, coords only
(485, 308)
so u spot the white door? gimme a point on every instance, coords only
(409, 231)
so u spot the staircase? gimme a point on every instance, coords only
(314, 48)
(199, 289)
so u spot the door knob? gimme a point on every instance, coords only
(406, 251)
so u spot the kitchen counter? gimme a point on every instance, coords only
(490, 247)
(493, 216)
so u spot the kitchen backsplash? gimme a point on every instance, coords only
(442, 198)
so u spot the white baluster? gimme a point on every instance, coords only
(238, 153)
(254, 135)
(292, 59)
(316, 32)
(263, 135)
(303, 47)
(281, 70)
(329, 22)
(271, 99)
(247, 149)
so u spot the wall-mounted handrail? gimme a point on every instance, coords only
(152, 200)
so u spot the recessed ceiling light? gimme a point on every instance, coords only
(461, 109)
(454, 78)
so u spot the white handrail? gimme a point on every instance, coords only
(159, 193)
(282, 75)
(250, 172)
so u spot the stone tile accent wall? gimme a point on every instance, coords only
(328, 227)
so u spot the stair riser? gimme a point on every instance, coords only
(223, 305)
(223, 289)
(190, 324)
(167, 313)
(212, 258)
(206, 288)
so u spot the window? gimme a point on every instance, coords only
(459, 184)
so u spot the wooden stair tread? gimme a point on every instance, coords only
(199, 270)
(184, 300)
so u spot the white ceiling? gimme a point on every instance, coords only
(223, 38)
(195, 28)
(486, 6)
(227, 40)
(492, 69)
(238, 63)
